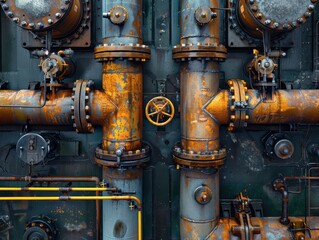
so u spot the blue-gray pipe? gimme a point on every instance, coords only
(119, 217)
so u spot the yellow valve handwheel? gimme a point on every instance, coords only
(159, 111)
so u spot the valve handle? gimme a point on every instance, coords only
(159, 111)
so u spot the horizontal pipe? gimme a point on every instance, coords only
(50, 179)
(96, 180)
(57, 189)
(286, 106)
(55, 112)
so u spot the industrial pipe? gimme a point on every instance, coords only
(200, 53)
(96, 180)
(57, 110)
(87, 198)
(57, 189)
(286, 106)
(122, 152)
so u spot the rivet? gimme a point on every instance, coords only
(276, 25)
(311, 7)
(307, 14)
(16, 20)
(10, 15)
(232, 117)
(58, 15)
(50, 21)
(268, 21)
(23, 23)
(254, 8)
(300, 20)
(40, 25)
(67, 1)
(259, 15)
(247, 117)
(5, 7)
(31, 25)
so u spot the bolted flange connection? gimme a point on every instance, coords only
(199, 159)
(127, 158)
(199, 51)
(131, 52)
(81, 108)
(239, 98)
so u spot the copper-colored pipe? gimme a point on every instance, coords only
(86, 198)
(122, 83)
(56, 189)
(56, 111)
(64, 179)
(287, 106)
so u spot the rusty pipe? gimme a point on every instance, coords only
(122, 82)
(96, 180)
(55, 112)
(286, 106)
(284, 219)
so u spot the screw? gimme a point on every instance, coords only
(117, 14)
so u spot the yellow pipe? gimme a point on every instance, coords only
(80, 198)
(56, 189)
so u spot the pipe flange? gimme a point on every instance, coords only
(81, 109)
(236, 27)
(127, 159)
(40, 227)
(268, 17)
(187, 52)
(83, 27)
(199, 159)
(132, 52)
(239, 98)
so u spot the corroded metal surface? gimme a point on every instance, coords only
(61, 16)
(128, 33)
(271, 229)
(197, 219)
(122, 82)
(287, 106)
(274, 16)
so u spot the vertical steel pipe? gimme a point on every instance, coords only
(199, 52)
(121, 152)
(198, 218)
(122, 81)
(119, 218)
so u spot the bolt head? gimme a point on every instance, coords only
(58, 15)
(5, 7)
